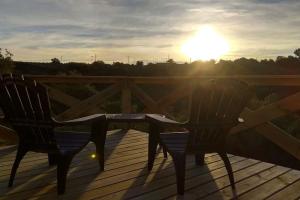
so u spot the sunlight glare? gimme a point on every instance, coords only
(206, 45)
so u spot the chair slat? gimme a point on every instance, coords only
(26, 106)
(22, 90)
(5, 100)
(215, 109)
(14, 98)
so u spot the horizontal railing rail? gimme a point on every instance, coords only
(131, 87)
(263, 80)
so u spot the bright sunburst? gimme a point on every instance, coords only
(206, 45)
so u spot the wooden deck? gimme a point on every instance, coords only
(126, 175)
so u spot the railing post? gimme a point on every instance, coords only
(126, 97)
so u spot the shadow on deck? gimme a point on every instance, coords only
(126, 175)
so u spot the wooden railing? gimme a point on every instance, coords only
(130, 87)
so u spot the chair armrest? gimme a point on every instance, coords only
(80, 121)
(162, 120)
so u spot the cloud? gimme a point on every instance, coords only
(152, 27)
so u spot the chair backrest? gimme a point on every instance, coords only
(215, 109)
(26, 107)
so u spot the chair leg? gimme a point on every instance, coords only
(62, 172)
(179, 163)
(100, 154)
(52, 159)
(199, 159)
(152, 145)
(99, 131)
(20, 154)
(164, 151)
(228, 168)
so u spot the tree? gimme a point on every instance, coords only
(171, 61)
(6, 62)
(55, 61)
(280, 58)
(297, 53)
(139, 63)
(98, 62)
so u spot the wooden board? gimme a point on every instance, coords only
(126, 175)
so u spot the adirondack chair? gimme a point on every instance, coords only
(26, 107)
(215, 109)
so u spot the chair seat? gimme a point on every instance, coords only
(71, 142)
(175, 141)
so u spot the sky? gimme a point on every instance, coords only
(153, 30)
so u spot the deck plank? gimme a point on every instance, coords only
(290, 192)
(270, 187)
(217, 182)
(250, 183)
(126, 175)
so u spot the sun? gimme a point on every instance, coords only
(207, 44)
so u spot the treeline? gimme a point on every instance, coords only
(243, 66)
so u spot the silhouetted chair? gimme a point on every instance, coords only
(26, 107)
(215, 109)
